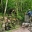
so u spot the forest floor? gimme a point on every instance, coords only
(20, 29)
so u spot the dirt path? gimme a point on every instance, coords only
(21, 30)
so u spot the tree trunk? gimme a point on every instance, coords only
(17, 7)
(3, 25)
(2, 6)
(5, 8)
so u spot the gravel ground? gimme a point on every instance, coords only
(21, 30)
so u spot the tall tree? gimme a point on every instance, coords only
(5, 8)
(2, 5)
(17, 7)
(4, 15)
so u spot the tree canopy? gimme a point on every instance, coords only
(20, 6)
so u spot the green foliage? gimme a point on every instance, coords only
(19, 5)
(24, 4)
